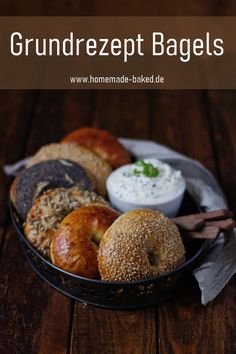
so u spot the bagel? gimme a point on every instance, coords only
(33, 181)
(97, 167)
(140, 244)
(50, 209)
(102, 143)
(75, 243)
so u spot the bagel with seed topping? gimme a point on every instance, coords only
(140, 244)
(98, 168)
(35, 180)
(50, 209)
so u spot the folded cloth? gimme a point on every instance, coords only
(219, 265)
(13, 170)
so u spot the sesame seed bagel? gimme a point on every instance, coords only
(140, 244)
(75, 243)
(50, 209)
(102, 143)
(97, 167)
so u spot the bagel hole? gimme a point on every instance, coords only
(153, 258)
(95, 240)
(96, 234)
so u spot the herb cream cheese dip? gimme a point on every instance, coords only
(146, 183)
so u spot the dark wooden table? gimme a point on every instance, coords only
(34, 318)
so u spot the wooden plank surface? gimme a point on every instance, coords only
(124, 113)
(222, 108)
(188, 327)
(2, 237)
(117, 332)
(57, 113)
(31, 304)
(115, 8)
(15, 113)
(105, 331)
(36, 319)
(179, 119)
(183, 323)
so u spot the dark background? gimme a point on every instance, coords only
(116, 8)
(201, 124)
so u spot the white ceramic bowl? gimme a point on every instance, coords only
(169, 207)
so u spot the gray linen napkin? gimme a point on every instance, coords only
(219, 265)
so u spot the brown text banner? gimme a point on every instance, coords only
(117, 53)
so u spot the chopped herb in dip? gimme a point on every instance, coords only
(145, 168)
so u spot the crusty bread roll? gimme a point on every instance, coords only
(75, 243)
(95, 165)
(102, 143)
(50, 209)
(34, 181)
(140, 244)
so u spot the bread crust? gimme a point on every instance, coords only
(140, 244)
(95, 165)
(75, 243)
(34, 181)
(50, 209)
(102, 143)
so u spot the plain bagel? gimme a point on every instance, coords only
(75, 243)
(140, 244)
(102, 143)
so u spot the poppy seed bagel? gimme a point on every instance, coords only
(33, 181)
(97, 167)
